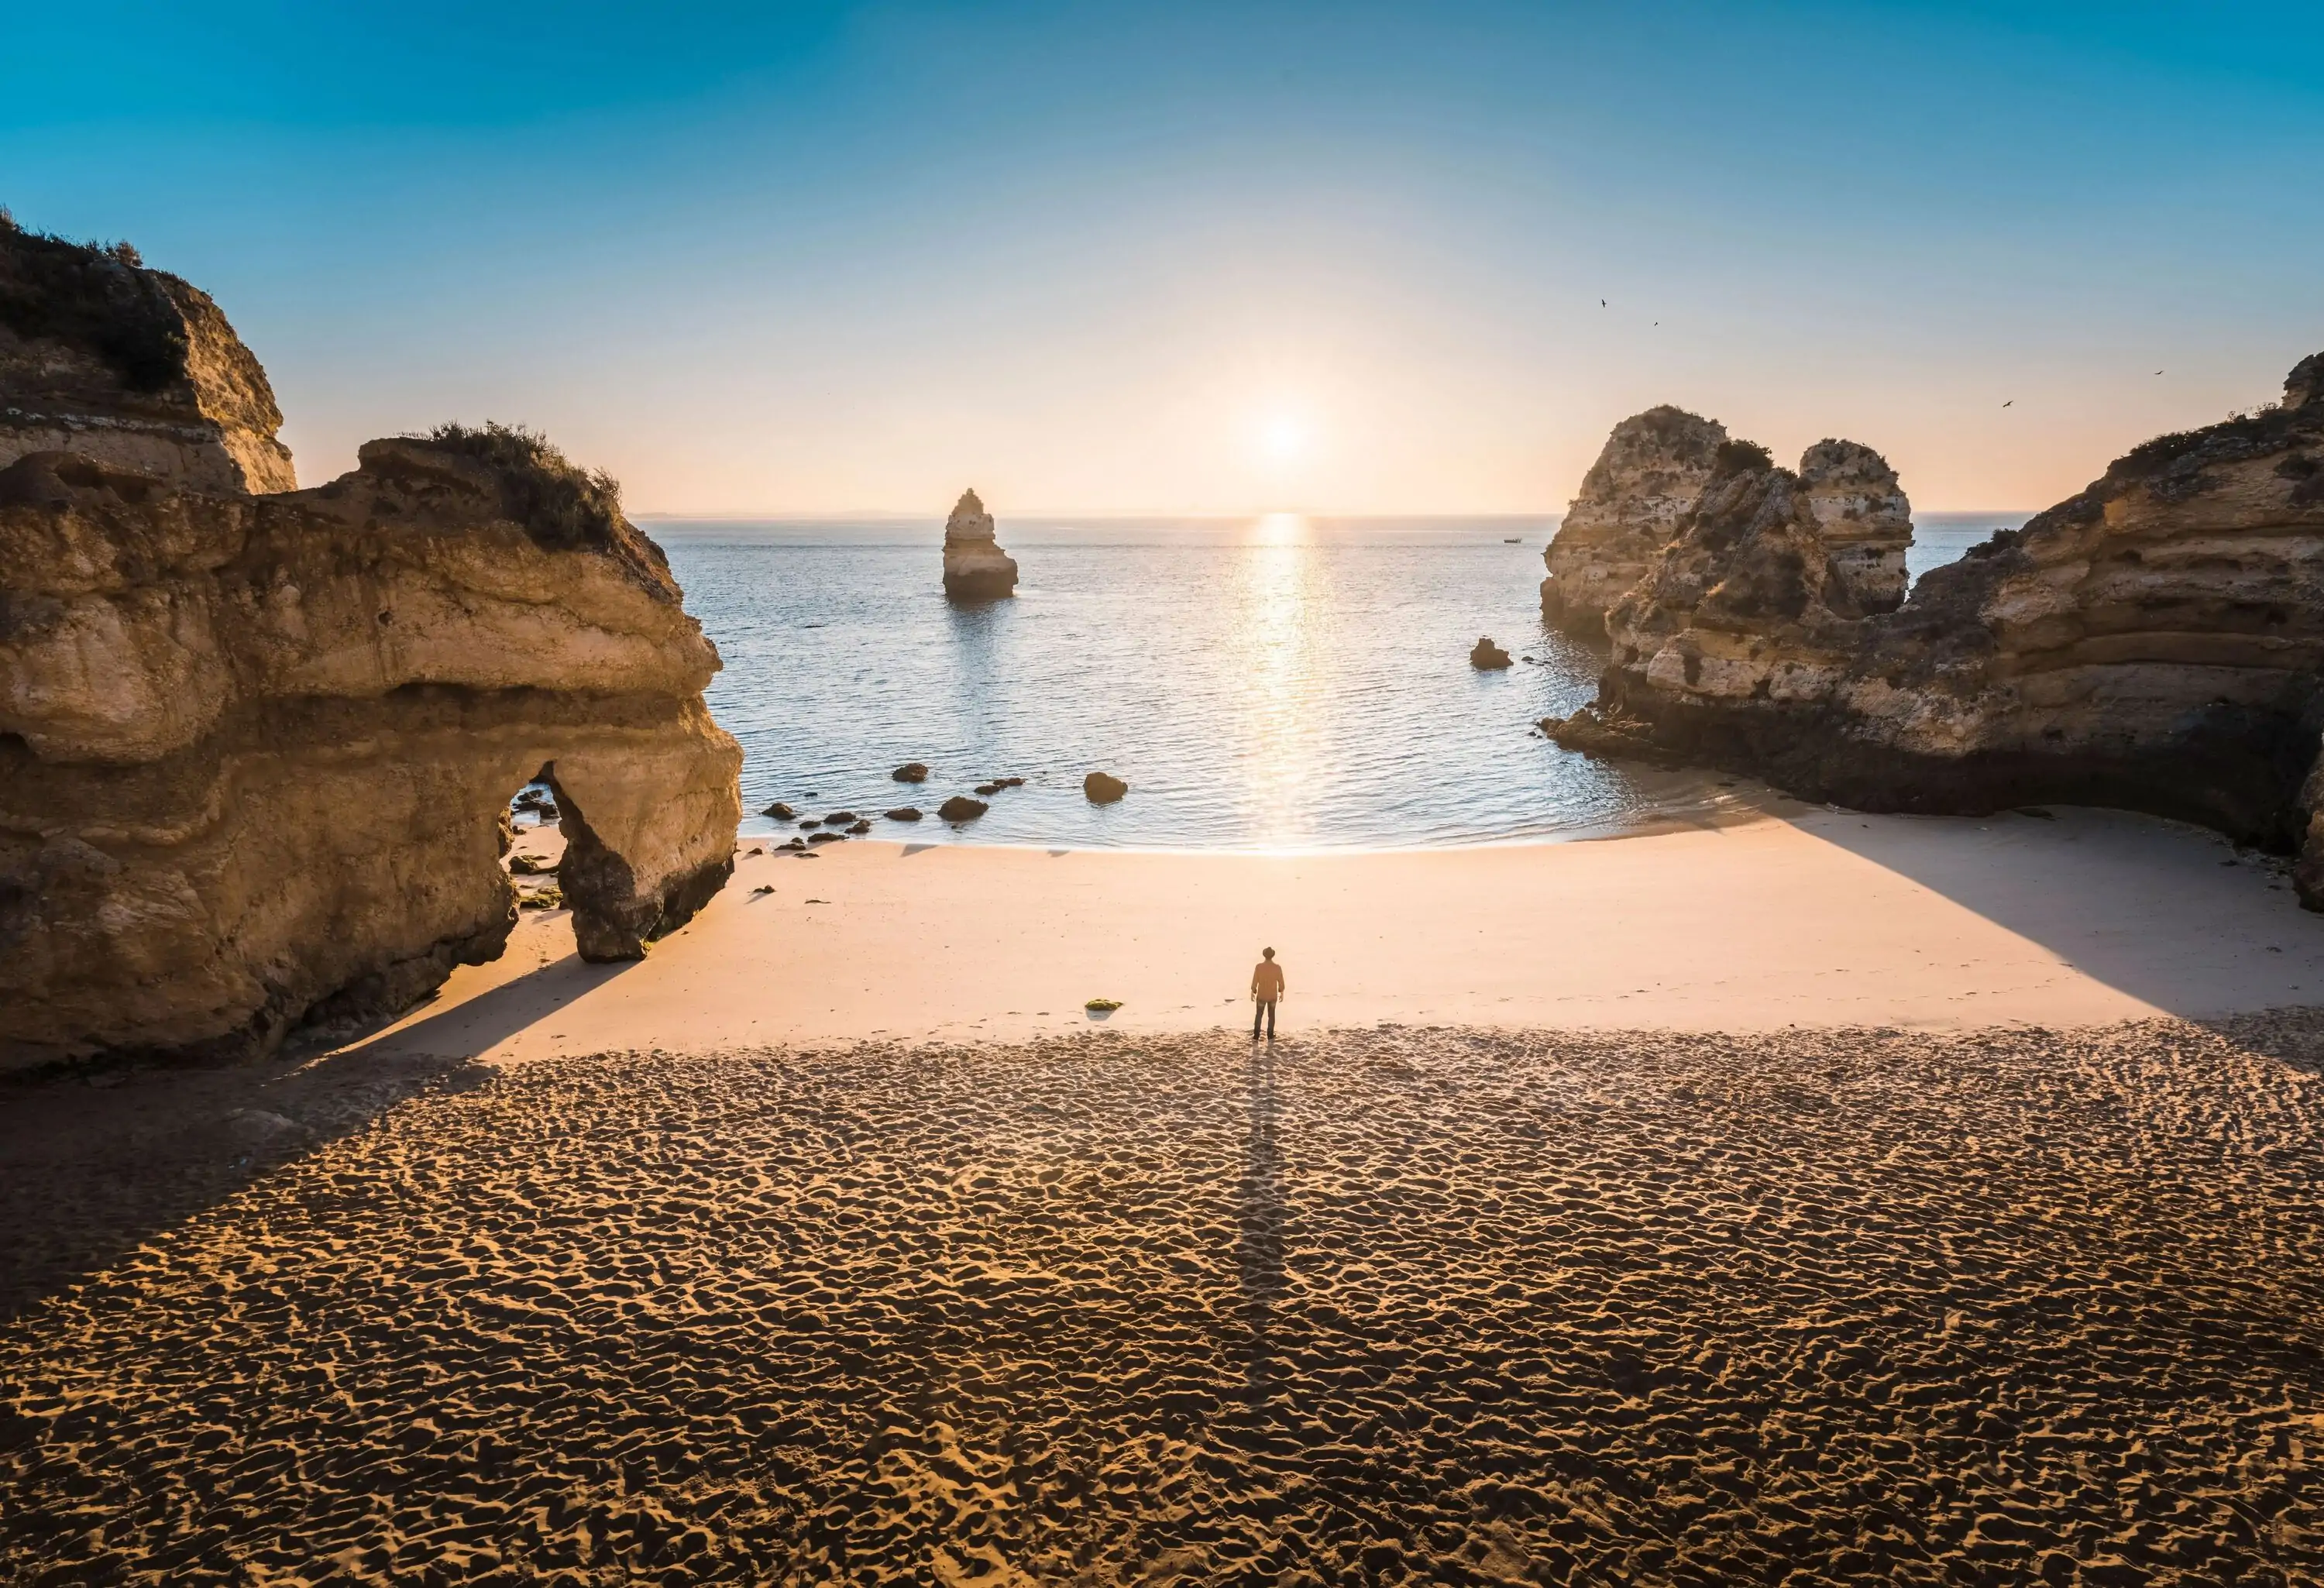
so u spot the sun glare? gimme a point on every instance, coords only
(1285, 437)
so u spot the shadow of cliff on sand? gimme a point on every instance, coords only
(94, 1163)
(2168, 913)
(468, 1027)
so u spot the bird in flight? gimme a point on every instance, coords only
(2158, 372)
(2006, 404)
(1601, 303)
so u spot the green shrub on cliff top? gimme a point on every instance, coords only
(93, 296)
(560, 504)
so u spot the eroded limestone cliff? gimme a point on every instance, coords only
(131, 367)
(975, 569)
(1653, 467)
(2155, 642)
(256, 751)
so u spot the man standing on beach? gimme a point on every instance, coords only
(1266, 989)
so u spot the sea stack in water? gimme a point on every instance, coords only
(198, 684)
(975, 569)
(2155, 642)
(1652, 468)
(1487, 655)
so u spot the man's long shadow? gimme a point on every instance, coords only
(1261, 1216)
(94, 1163)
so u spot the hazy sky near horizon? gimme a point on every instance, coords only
(1191, 257)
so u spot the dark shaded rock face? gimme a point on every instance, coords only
(198, 684)
(2155, 644)
(1103, 788)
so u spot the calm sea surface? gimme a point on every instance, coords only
(1278, 683)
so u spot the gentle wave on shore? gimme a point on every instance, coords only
(1278, 683)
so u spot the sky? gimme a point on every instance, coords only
(1183, 257)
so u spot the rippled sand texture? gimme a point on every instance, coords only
(1397, 1305)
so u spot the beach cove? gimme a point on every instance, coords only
(1960, 1214)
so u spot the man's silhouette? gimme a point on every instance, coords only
(1266, 989)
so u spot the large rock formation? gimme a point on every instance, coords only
(1653, 467)
(975, 569)
(256, 751)
(1862, 517)
(129, 366)
(2155, 642)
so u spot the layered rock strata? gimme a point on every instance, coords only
(2155, 643)
(256, 751)
(975, 569)
(1652, 468)
(131, 366)
(1863, 518)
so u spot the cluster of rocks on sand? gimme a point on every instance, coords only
(2155, 642)
(202, 670)
(1099, 788)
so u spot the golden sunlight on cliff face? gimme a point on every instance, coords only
(1276, 630)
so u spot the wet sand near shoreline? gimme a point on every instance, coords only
(1384, 1305)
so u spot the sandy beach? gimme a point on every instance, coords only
(1814, 1199)
(1804, 917)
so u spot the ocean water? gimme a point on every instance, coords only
(1278, 684)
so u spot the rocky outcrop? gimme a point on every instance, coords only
(1653, 467)
(975, 569)
(1103, 788)
(1863, 518)
(256, 751)
(2155, 642)
(131, 367)
(1486, 655)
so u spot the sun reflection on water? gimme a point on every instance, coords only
(1280, 645)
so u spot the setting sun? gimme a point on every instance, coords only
(1285, 438)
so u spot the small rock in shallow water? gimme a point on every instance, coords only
(860, 828)
(780, 811)
(827, 838)
(1104, 788)
(904, 813)
(811, 822)
(911, 771)
(986, 790)
(960, 807)
(839, 818)
(1487, 655)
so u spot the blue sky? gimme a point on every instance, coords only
(1193, 258)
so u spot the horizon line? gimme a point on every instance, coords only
(1032, 514)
